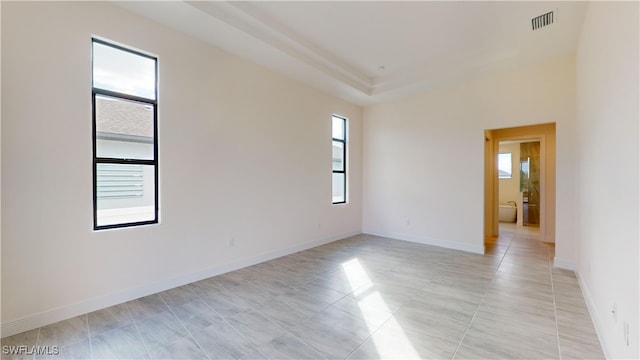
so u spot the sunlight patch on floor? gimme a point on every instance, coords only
(372, 305)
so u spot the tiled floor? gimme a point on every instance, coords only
(361, 298)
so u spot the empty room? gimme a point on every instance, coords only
(319, 180)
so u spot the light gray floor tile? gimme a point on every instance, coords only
(273, 285)
(80, 351)
(303, 300)
(369, 306)
(334, 333)
(255, 327)
(384, 296)
(230, 280)
(146, 306)
(580, 348)
(251, 294)
(12, 343)
(529, 322)
(330, 343)
(202, 289)
(338, 281)
(287, 346)
(489, 352)
(221, 341)
(428, 325)
(393, 342)
(159, 329)
(183, 348)
(64, 332)
(178, 296)
(254, 354)
(511, 339)
(455, 311)
(226, 303)
(120, 343)
(284, 314)
(196, 315)
(108, 319)
(321, 293)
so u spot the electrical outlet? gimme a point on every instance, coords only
(231, 242)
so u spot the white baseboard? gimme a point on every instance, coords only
(597, 322)
(478, 249)
(564, 264)
(68, 311)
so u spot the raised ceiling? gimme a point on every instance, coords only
(369, 51)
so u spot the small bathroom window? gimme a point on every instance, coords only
(504, 166)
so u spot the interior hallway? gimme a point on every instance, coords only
(363, 297)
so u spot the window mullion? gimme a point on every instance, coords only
(103, 160)
(115, 94)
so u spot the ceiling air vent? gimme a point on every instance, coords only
(542, 20)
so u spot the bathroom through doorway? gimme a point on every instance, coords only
(520, 179)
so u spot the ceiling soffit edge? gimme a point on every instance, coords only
(243, 17)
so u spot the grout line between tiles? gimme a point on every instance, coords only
(135, 324)
(233, 327)
(185, 327)
(253, 308)
(555, 308)
(86, 319)
(481, 300)
(37, 341)
(381, 325)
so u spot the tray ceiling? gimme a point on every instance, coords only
(369, 51)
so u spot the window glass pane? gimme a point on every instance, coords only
(123, 71)
(338, 187)
(125, 193)
(504, 166)
(124, 129)
(338, 128)
(338, 156)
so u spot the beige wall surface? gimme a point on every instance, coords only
(424, 154)
(244, 153)
(607, 172)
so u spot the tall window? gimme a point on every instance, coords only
(339, 159)
(125, 146)
(504, 166)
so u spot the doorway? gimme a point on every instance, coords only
(533, 164)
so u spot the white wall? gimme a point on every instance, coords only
(607, 171)
(424, 154)
(510, 188)
(244, 153)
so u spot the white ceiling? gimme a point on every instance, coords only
(341, 46)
